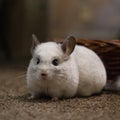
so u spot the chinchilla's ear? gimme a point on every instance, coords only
(35, 42)
(68, 45)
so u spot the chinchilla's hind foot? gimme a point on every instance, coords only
(113, 85)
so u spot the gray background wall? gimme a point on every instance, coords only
(89, 19)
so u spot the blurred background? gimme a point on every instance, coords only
(89, 19)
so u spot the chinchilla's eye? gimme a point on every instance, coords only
(37, 61)
(55, 62)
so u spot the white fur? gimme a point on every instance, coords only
(82, 74)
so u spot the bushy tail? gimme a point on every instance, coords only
(114, 85)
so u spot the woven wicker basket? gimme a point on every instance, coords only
(109, 52)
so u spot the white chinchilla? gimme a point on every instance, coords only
(64, 70)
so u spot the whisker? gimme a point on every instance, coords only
(65, 81)
(61, 78)
(19, 77)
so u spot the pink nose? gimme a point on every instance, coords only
(43, 74)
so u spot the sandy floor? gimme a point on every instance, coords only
(14, 104)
